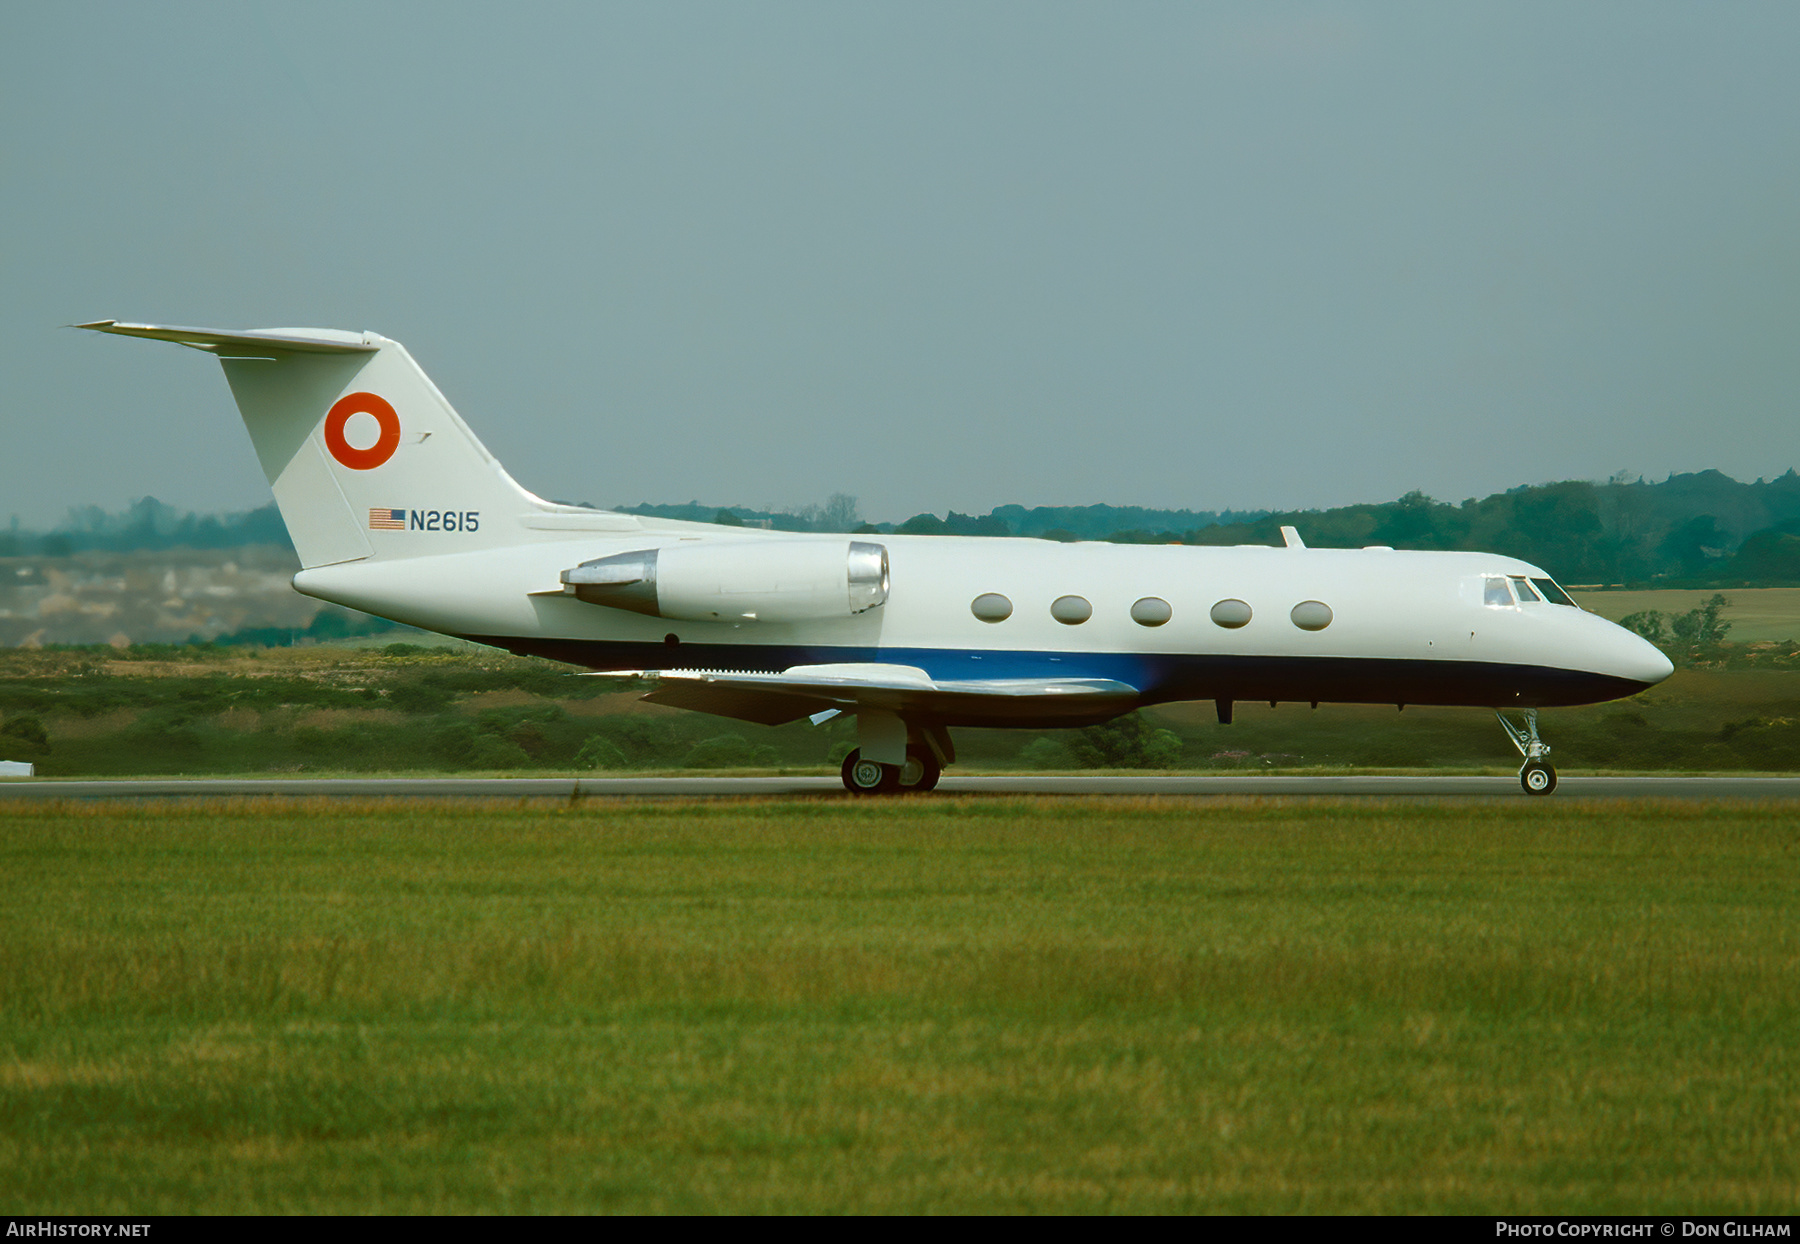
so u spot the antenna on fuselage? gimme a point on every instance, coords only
(1291, 538)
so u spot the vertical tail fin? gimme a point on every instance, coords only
(355, 439)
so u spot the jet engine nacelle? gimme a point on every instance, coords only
(738, 580)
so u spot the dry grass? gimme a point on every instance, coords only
(1139, 1005)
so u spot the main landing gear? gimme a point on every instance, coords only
(920, 773)
(1536, 775)
(894, 756)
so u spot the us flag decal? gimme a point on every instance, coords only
(387, 520)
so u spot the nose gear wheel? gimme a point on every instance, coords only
(1536, 775)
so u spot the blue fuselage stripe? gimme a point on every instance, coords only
(1159, 677)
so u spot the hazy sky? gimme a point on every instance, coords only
(934, 255)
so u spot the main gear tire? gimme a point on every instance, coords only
(921, 771)
(869, 777)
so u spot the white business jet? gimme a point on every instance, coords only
(396, 509)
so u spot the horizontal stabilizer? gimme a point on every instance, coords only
(773, 699)
(304, 340)
(367, 460)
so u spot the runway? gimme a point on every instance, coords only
(1636, 787)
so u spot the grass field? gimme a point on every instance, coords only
(323, 711)
(1757, 615)
(946, 1005)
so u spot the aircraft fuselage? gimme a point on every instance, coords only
(1403, 628)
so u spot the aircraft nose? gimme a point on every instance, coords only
(1638, 659)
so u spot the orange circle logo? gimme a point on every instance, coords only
(385, 444)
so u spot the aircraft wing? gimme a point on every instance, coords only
(808, 690)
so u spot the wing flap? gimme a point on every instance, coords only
(765, 708)
(776, 698)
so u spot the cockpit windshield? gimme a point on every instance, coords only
(1554, 594)
(1518, 589)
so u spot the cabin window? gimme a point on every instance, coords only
(991, 607)
(1151, 611)
(1524, 590)
(1496, 593)
(1554, 594)
(1311, 615)
(1071, 610)
(1231, 614)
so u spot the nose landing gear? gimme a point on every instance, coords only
(1536, 775)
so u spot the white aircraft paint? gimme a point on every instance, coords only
(397, 509)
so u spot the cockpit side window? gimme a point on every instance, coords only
(1523, 588)
(1554, 594)
(1495, 592)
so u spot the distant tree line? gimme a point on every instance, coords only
(1699, 530)
(840, 512)
(144, 524)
